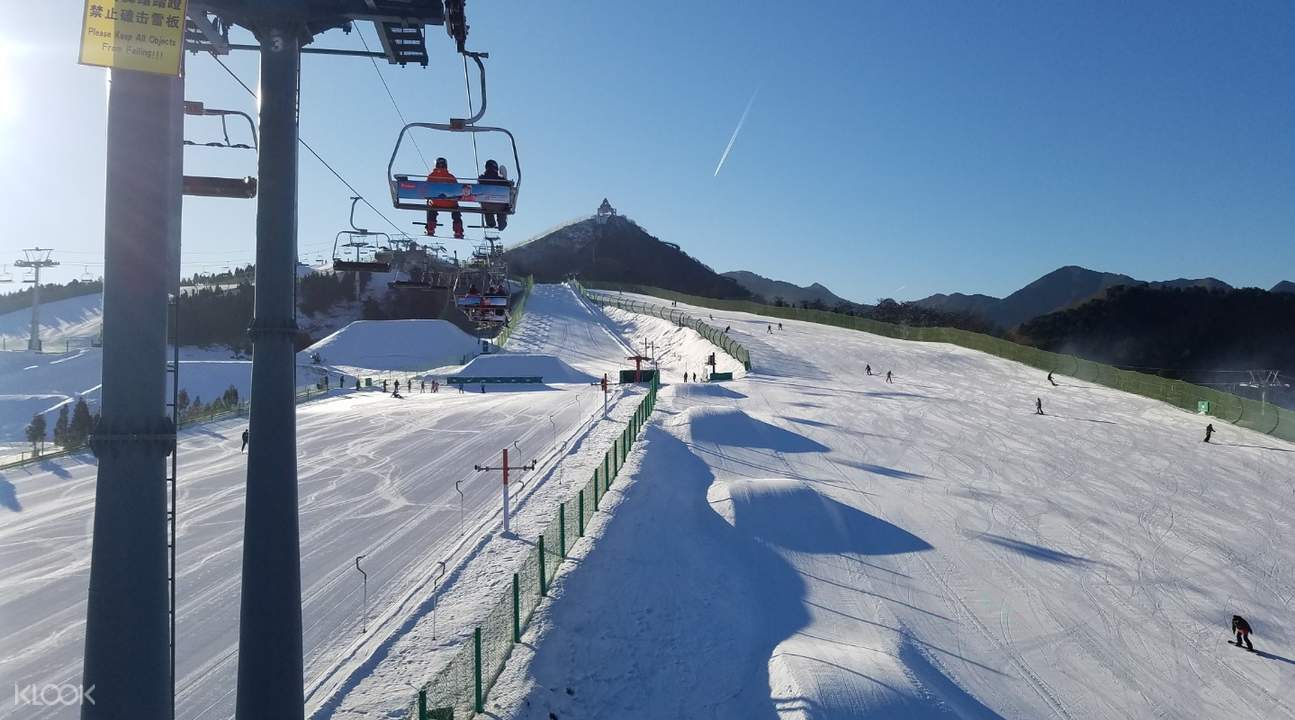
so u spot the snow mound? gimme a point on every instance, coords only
(547, 367)
(393, 345)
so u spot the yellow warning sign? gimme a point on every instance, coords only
(143, 35)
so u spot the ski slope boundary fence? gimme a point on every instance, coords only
(460, 689)
(1245, 412)
(717, 337)
(515, 317)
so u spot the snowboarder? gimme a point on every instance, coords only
(867, 370)
(1054, 382)
(384, 386)
(1038, 406)
(397, 391)
(441, 174)
(779, 326)
(727, 328)
(889, 378)
(244, 449)
(1242, 629)
(483, 389)
(694, 377)
(422, 386)
(1209, 430)
(498, 217)
(769, 329)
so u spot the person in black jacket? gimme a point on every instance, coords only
(1242, 629)
(499, 217)
(1209, 430)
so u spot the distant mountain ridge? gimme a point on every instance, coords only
(770, 290)
(1064, 288)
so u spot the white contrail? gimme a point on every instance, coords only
(736, 130)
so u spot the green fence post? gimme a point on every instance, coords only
(517, 608)
(476, 653)
(544, 586)
(616, 456)
(581, 522)
(562, 531)
(422, 705)
(595, 491)
(607, 470)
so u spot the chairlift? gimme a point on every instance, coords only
(5, 275)
(481, 292)
(208, 186)
(87, 276)
(474, 196)
(29, 276)
(368, 253)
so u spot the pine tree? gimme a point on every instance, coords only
(182, 401)
(82, 424)
(230, 398)
(61, 427)
(36, 432)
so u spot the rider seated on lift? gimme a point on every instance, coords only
(441, 174)
(494, 175)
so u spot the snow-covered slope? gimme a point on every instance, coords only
(548, 368)
(559, 322)
(377, 476)
(812, 542)
(75, 319)
(392, 345)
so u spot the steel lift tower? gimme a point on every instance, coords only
(35, 259)
(270, 668)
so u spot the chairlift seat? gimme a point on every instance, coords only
(414, 194)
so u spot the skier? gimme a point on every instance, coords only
(1038, 406)
(1054, 382)
(244, 448)
(694, 377)
(422, 386)
(499, 212)
(727, 328)
(889, 378)
(779, 326)
(867, 370)
(397, 392)
(441, 174)
(1242, 629)
(1209, 430)
(769, 329)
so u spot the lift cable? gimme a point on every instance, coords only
(355, 193)
(387, 87)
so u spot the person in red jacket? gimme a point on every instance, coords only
(441, 174)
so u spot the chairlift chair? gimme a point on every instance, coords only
(87, 276)
(208, 186)
(411, 191)
(5, 275)
(358, 240)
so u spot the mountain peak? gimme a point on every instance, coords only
(614, 248)
(790, 293)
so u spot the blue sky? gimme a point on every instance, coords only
(894, 150)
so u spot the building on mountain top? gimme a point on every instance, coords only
(606, 209)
